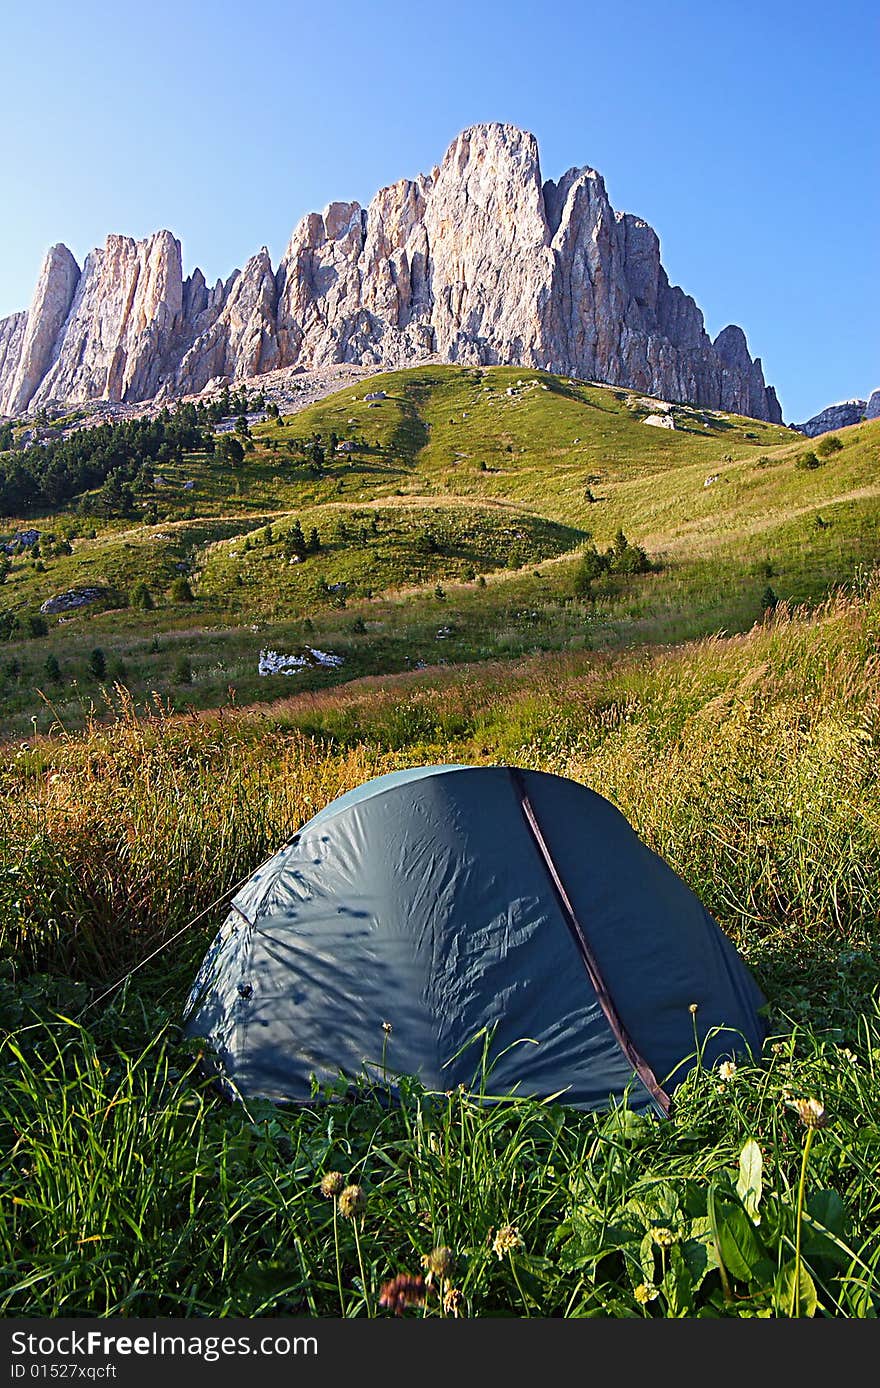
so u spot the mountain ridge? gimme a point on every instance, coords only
(481, 261)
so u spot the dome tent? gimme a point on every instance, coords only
(446, 900)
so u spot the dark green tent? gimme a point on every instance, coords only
(446, 900)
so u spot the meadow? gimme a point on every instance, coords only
(749, 761)
(451, 532)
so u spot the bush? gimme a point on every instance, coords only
(183, 671)
(828, 445)
(180, 590)
(52, 669)
(806, 462)
(98, 664)
(230, 449)
(592, 565)
(141, 597)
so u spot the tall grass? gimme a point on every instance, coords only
(750, 763)
(130, 1189)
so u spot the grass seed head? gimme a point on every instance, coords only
(332, 1184)
(439, 1263)
(453, 1302)
(352, 1201)
(811, 1112)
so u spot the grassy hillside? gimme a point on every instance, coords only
(451, 531)
(751, 762)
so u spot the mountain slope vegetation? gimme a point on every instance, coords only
(446, 519)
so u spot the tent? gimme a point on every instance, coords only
(434, 906)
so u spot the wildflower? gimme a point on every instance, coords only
(727, 1070)
(810, 1111)
(332, 1184)
(645, 1292)
(694, 1009)
(453, 1301)
(507, 1238)
(387, 1028)
(352, 1201)
(438, 1264)
(402, 1291)
(665, 1238)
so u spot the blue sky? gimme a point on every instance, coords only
(747, 134)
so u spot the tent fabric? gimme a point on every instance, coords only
(425, 899)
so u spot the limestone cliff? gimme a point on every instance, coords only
(480, 261)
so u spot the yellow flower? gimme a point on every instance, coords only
(507, 1238)
(664, 1237)
(726, 1070)
(645, 1292)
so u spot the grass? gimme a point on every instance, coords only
(504, 480)
(749, 761)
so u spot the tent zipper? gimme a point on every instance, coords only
(591, 964)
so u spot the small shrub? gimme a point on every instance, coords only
(141, 598)
(180, 590)
(52, 669)
(592, 565)
(98, 664)
(828, 445)
(806, 462)
(183, 671)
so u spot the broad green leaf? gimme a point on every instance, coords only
(623, 1123)
(588, 1239)
(748, 1187)
(738, 1244)
(824, 1227)
(786, 1300)
(827, 1209)
(646, 1257)
(678, 1286)
(655, 1203)
(700, 1258)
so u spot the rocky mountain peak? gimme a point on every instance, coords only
(480, 261)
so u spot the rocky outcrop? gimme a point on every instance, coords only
(872, 408)
(838, 416)
(45, 318)
(480, 261)
(12, 331)
(234, 328)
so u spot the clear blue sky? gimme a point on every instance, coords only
(745, 132)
